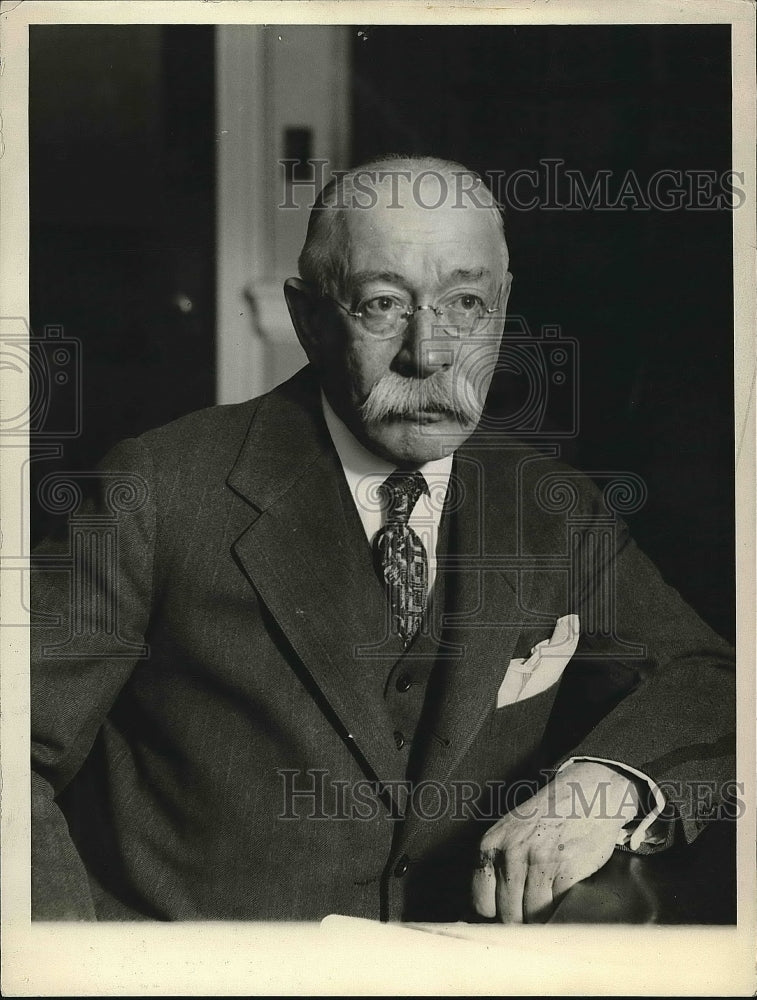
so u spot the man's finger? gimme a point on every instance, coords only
(511, 871)
(538, 901)
(483, 887)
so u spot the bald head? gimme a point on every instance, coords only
(415, 188)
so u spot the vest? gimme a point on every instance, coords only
(398, 695)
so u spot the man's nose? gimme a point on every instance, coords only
(425, 347)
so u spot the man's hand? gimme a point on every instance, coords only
(558, 837)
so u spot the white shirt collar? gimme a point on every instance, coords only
(364, 471)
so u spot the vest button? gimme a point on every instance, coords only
(404, 683)
(402, 866)
(399, 739)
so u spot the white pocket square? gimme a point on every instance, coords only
(526, 677)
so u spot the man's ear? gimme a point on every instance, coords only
(301, 301)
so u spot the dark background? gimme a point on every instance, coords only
(122, 220)
(122, 146)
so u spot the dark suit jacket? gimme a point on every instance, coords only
(159, 775)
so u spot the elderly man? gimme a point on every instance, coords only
(341, 613)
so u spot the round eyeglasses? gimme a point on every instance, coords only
(462, 314)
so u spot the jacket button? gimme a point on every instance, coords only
(399, 739)
(404, 683)
(402, 866)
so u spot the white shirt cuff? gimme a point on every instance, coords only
(633, 838)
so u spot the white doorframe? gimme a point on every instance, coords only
(268, 78)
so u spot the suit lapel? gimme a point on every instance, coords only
(311, 567)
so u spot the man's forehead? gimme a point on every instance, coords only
(446, 227)
(453, 274)
(418, 216)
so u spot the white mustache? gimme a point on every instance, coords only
(398, 396)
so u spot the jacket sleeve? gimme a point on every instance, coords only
(91, 596)
(678, 725)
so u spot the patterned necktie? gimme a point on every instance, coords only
(399, 555)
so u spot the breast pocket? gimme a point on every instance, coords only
(527, 677)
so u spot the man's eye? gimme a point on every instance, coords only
(467, 302)
(380, 305)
